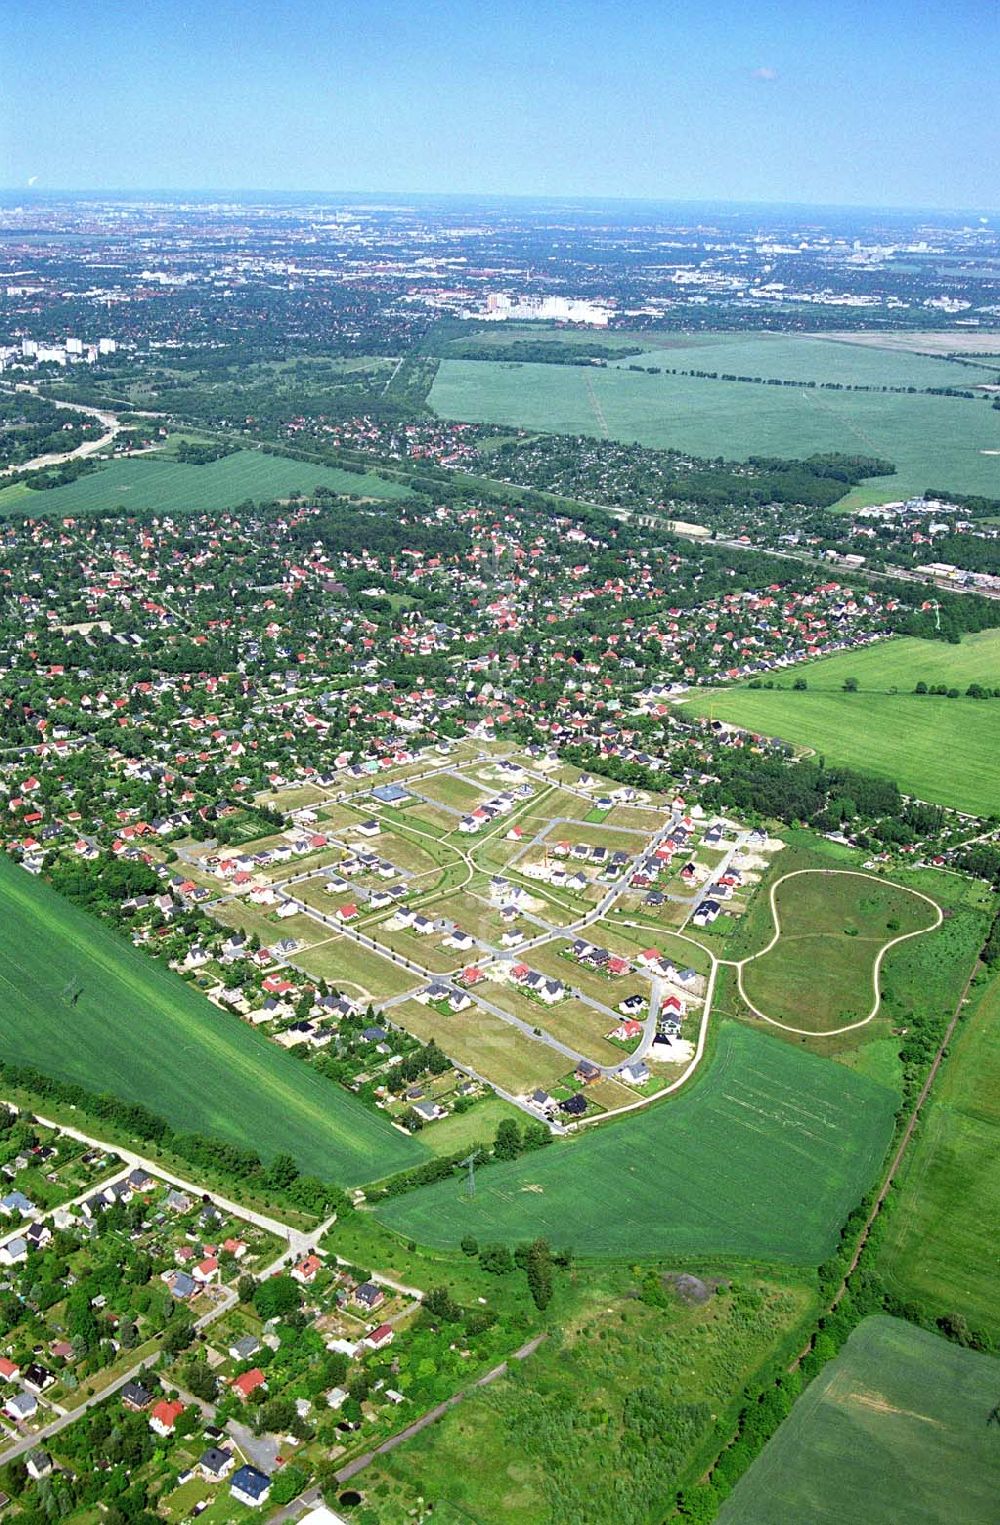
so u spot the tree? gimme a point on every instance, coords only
(508, 1140)
(277, 1296)
(178, 1334)
(440, 1304)
(538, 1269)
(497, 1259)
(850, 685)
(199, 1380)
(282, 1171)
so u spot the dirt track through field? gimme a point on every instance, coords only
(808, 1032)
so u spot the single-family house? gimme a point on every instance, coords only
(250, 1487)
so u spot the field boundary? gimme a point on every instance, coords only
(833, 1032)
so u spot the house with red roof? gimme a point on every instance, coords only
(249, 1382)
(164, 1416)
(306, 1270)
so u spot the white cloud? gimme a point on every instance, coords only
(765, 72)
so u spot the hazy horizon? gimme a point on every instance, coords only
(815, 104)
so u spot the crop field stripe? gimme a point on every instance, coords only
(143, 1034)
(169, 486)
(942, 750)
(896, 1427)
(763, 1155)
(926, 436)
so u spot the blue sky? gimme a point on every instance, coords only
(883, 103)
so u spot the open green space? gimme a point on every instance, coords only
(942, 750)
(939, 1243)
(896, 1428)
(485, 1044)
(820, 974)
(608, 1417)
(355, 970)
(764, 1155)
(464, 1130)
(167, 486)
(82, 1004)
(933, 441)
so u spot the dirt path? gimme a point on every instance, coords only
(833, 1032)
(361, 1462)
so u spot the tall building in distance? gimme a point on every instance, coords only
(501, 308)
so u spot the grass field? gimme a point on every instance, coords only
(464, 1130)
(819, 974)
(487, 1045)
(166, 486)
(550, 1440)
(943, 750)
(933, 441)
(896, 1428)
(140, 1032)
(764, 1155)
(356, 970)
(940, 1242)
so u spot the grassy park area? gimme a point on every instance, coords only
(832, 929)
(549, 1438)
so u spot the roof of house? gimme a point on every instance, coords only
(251, 1482)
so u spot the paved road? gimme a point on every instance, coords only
(89, 447)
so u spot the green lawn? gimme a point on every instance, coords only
(896, 1428)
(138, 1031)
(464, 1130)
(933, 441)
(763, 1156)
(166, 486)
(820, 973)
(940, 1242)
(943, 750)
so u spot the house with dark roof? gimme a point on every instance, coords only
(250, 1487)
(215, 1463)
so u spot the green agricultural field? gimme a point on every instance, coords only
(939, 749)
(137, 1030)
(820, 974)
(939, 1243)
(763, 1156)
(932, 440)
(168, 487)
(896, 1428)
